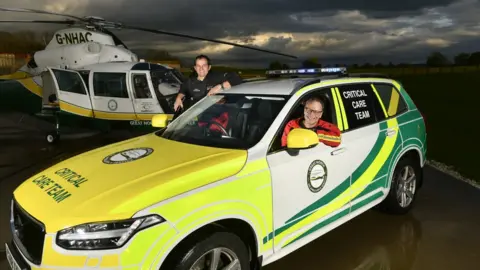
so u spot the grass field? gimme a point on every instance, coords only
(449, 103)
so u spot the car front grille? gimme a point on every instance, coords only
(28, 233)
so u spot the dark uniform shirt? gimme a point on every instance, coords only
(194, 89)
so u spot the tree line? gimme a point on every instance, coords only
(435, 59)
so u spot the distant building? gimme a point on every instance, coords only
(10, 62)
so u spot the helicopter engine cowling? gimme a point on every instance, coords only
(79, 55)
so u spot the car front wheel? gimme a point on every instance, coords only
(217, 251)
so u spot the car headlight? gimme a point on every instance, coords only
(104, 235)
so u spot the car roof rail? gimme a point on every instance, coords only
(368, 75)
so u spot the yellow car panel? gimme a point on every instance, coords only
(117, 191)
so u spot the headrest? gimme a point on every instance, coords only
(264, 109)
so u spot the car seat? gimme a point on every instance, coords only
(260, 119)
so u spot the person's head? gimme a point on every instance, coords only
(202, 65)
(313, 110)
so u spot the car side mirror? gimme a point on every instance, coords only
(300, 138)
(161, 120)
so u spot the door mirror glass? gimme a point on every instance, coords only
(300, 138)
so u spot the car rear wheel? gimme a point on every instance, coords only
(403, 188)
(217, 251)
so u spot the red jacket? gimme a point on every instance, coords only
(328, 133)
(222, 120)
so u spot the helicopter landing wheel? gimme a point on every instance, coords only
(52, 137)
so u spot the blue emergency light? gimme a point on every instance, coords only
(307, 71)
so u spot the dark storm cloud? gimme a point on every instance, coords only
(329, 30)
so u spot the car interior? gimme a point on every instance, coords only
(249, 119)
(328, 115)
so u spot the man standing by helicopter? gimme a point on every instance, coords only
(205, 83)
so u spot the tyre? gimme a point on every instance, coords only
(223, 249)
(404, 186)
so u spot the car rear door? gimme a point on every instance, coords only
(371, 141)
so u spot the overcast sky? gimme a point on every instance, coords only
(339, 31)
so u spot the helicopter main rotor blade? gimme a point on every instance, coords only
(99, 23)
(26, 10)
(205, 39)
(38, 21)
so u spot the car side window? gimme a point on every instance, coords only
(297, 111)
(362, 107)
(392, 100)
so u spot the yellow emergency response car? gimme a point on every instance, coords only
(217, 189)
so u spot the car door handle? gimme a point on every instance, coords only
(338, 151)
(390, 132)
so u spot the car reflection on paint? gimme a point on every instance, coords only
(370, 242)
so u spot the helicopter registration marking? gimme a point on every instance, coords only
(73, 38)
(140, 123)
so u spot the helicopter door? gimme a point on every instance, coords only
(72, 92)
(110, 96)
(145, 101)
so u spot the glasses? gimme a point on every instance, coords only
(310, 111)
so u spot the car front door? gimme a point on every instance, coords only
(311, 189)
(145, 102)
(110, 97)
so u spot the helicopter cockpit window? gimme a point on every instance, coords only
(69, 82)
(110, 84)
(165, 76)
(140, 85)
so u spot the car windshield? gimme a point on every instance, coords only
(226, 120)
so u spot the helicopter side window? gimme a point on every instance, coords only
(140, 85)
(110, 84)
(69, 82)
(165, 77)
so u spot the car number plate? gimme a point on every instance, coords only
(11, 261)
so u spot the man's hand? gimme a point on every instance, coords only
(214, 90)
(226, 85)
(178, 103)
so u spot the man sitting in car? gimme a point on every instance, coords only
(328, 133)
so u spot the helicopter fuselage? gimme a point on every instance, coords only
(102, 97)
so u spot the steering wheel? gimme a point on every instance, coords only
(224, 132)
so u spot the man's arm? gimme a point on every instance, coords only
(286, 130)
(233, 78)
(329, 134)
(181, 93)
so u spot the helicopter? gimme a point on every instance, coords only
(86, 77)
